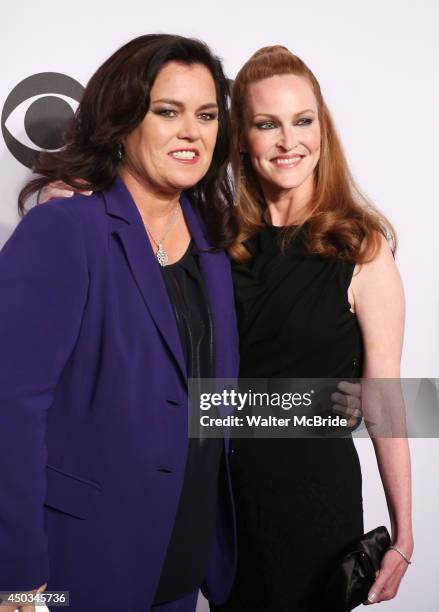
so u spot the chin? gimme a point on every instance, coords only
(290, 181)
(291, 184)
(188, 176)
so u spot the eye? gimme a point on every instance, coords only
(166, 112)
(305, 121)
(36, 112)
(266, 125)
(208, 116)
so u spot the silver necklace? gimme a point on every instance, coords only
(162, 256)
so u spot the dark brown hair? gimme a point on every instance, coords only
(115, 102)
(340, 221)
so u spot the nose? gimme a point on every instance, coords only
(288, 139)
(189, 128)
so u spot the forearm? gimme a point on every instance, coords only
(393, 457)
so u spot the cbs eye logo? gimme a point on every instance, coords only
(35, 113)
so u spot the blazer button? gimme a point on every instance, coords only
(173, 402)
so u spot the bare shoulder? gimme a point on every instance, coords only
(380, 276)
(380, 308)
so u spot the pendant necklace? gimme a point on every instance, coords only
(162, 256)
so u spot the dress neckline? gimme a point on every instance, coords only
(189, 251)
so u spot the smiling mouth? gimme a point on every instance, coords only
(186, 156)
(287, 161)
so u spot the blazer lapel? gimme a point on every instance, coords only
(218, 279)
(144, 267)
(219, 286)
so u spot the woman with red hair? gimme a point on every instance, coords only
(318, 296)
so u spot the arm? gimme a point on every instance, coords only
(43, 288)
(379, 304)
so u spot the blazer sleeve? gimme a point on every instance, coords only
(43, 291)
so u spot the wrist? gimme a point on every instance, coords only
(405, 544)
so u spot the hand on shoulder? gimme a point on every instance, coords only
(58, 189)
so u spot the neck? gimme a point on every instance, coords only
(153, 203)
(288, 206)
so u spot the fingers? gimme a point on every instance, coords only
(377, 588)
(66, 188)
(58, 189)
(352, 412)
(352, 421)
(14, 607)
(387, 593)
(348, 403)
(351, 401)
(23, 608)
(54, 190)
(46, 196)
(348, 388)
(348, 407)
(389, 578)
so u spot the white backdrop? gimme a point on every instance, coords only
(377, 65)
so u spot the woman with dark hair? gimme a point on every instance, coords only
(318, 296)
(109, 303)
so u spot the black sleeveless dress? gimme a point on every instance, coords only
(298, 501)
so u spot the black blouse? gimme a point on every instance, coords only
(186, 559)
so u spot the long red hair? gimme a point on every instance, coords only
(340, 221)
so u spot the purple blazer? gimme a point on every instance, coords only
(93, 405)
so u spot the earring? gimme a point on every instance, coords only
(119, 152)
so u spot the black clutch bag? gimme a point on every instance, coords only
(356, 570)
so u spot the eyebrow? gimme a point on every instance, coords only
(307, 110)
(178, 104)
